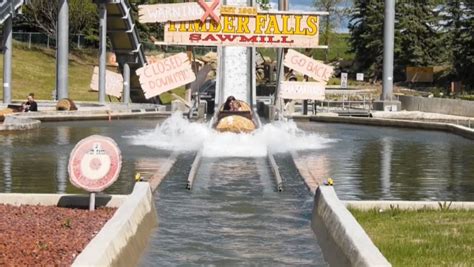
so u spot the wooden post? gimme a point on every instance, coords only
(92, 202)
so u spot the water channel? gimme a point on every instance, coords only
(234, 214)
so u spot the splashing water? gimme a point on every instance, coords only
(179, 134)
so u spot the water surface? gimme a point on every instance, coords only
(233, 216)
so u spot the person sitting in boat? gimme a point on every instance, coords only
(235, 106)
(228, 103)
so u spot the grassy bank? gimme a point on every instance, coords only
(34, 71)
(421, 238)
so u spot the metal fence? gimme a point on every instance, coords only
(77, 41)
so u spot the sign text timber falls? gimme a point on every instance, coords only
(266, 29)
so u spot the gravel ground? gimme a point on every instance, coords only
(46, 235)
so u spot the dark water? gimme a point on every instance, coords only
(366, 162)
(392, 163)
(233, 216)
(36, 161)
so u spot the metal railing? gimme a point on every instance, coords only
(77, 41)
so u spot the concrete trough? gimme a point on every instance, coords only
(436, 126)
(342, 240)
(122, 239)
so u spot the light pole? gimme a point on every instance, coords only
(62, 50)
(102, 51)
(386, 101)
(7, 60)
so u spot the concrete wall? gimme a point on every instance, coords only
(122, 239)
(447, 127)
(14, 123)
(438, 105)
(61, 200)
(341, 238)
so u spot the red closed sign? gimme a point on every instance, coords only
(95, 163)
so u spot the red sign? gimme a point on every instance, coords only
(95, 163)
(209, 10)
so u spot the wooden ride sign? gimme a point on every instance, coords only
(174, 12)
(165, 75)
(113, 82)
(265, 29)
(306, 65)
(302, 90)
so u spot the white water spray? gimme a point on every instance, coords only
(179, 134)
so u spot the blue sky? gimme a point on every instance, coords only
(308, 5)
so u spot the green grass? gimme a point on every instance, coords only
(421, 238)
(338, 48)
(34, 71)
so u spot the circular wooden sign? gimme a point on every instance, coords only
(95, 163)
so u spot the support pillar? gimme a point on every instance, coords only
(102, 52)
(7, 61)
(282, 6)
(253, 70)
(234, 76)
(62, 47)
(387, 102)
(126, 84)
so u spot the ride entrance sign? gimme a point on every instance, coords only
(94, 164)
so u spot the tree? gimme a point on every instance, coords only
(465, 58)
(459, 31)
(42, 15)
(366, 27)
(264, 4)
(337, 9)
(418, 38)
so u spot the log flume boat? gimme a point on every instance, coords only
(242, 121)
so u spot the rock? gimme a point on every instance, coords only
(66, 104)
(4, 112)
(267, 60)
(210, 57)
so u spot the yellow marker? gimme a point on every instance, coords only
(330, 181)
(138, 177)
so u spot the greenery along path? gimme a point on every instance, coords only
(34, 71)
(421, 238)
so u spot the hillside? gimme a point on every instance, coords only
(34, 72)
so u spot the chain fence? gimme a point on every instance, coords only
(30, 39)
(79, 41)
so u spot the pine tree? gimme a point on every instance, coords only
(418, 38)
(366, 27)
(458, 25)
(464, 59)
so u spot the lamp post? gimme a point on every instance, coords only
(386, 102)
(62, 50)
